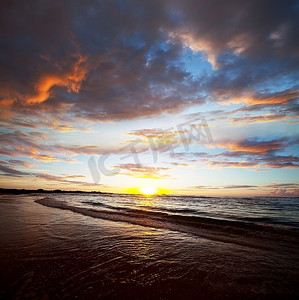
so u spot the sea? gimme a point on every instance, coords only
(121, 246)
(264, 211)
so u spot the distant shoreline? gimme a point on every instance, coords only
(42, 191)
(58, 191)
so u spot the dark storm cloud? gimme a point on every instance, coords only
(104, 60)
(253, 28)
(112, 60)
(249, 43)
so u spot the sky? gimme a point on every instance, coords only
(191, 97)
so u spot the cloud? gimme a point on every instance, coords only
(247, 28)
(234, 186)
(283, 185)
(8, 171)
(233, 164)
(282, 192)
(72, 81)
(247, 153)
(274, 98)
(184, 134)
(258, 108)
(176, 164)
(34, 145)
(253, 146)
(86, 60)
(81, 64)
(142, 171)
(261, 153)
(158, 139)
(273, 161)
(284, 189)
(153, 133)
(261, 118)
(51, 158)
(63, 179)
(55, 124)
(18, 162)
(273, 189)
(244, 186)
(78, 150)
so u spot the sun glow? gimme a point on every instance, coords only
(148, 190)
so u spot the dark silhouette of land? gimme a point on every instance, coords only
(42, 191)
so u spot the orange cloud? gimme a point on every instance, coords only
(278, 98)
(261, 119)
(50, 158)
(252, 99)
(72, 80)
(255, 147)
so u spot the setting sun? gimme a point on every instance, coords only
(148, 190)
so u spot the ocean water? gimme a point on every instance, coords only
(257, 210)
(105, 246)
(283, 212)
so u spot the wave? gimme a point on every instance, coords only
(172, 210)
(159, 209)
(211, 228)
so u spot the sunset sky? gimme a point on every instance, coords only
(204, 92)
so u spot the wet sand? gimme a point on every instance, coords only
(48, 253)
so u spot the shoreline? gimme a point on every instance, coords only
(225, 231)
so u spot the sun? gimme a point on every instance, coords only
(148, 190)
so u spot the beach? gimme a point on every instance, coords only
(97, 253)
